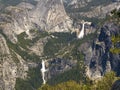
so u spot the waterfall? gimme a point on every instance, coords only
(43, 70)
(81, 34)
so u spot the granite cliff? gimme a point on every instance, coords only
(45, 15)
(12, 66)
(36, 30)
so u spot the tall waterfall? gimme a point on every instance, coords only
(43, 70)
(81, 34)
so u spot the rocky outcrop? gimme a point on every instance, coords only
(47, 15)
(58, 65)
(98, 57)
(38, 47)
(11, 66)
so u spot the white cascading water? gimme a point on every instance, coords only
(43, 70)
(81, 34)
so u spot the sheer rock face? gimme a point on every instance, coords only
(58, 66)
(47, 15)
(98, 57)
(9, 69)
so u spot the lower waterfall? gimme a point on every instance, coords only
(43, 70)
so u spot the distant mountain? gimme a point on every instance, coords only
(90, 8)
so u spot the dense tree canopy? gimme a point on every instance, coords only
(104, 83)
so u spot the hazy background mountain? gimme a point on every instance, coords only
(88, 9)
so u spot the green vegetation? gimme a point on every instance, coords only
(65, 45)
(75, 44)
(22, 41)
(71, 85)
(14, 57)
(57, 43)
(76, 74)
(38, 34)
(116, 13)
(115, 40)
(22, 85)
(23, 53)
(115, 50)
(103, 84)
(33, 81)
(106, 82)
